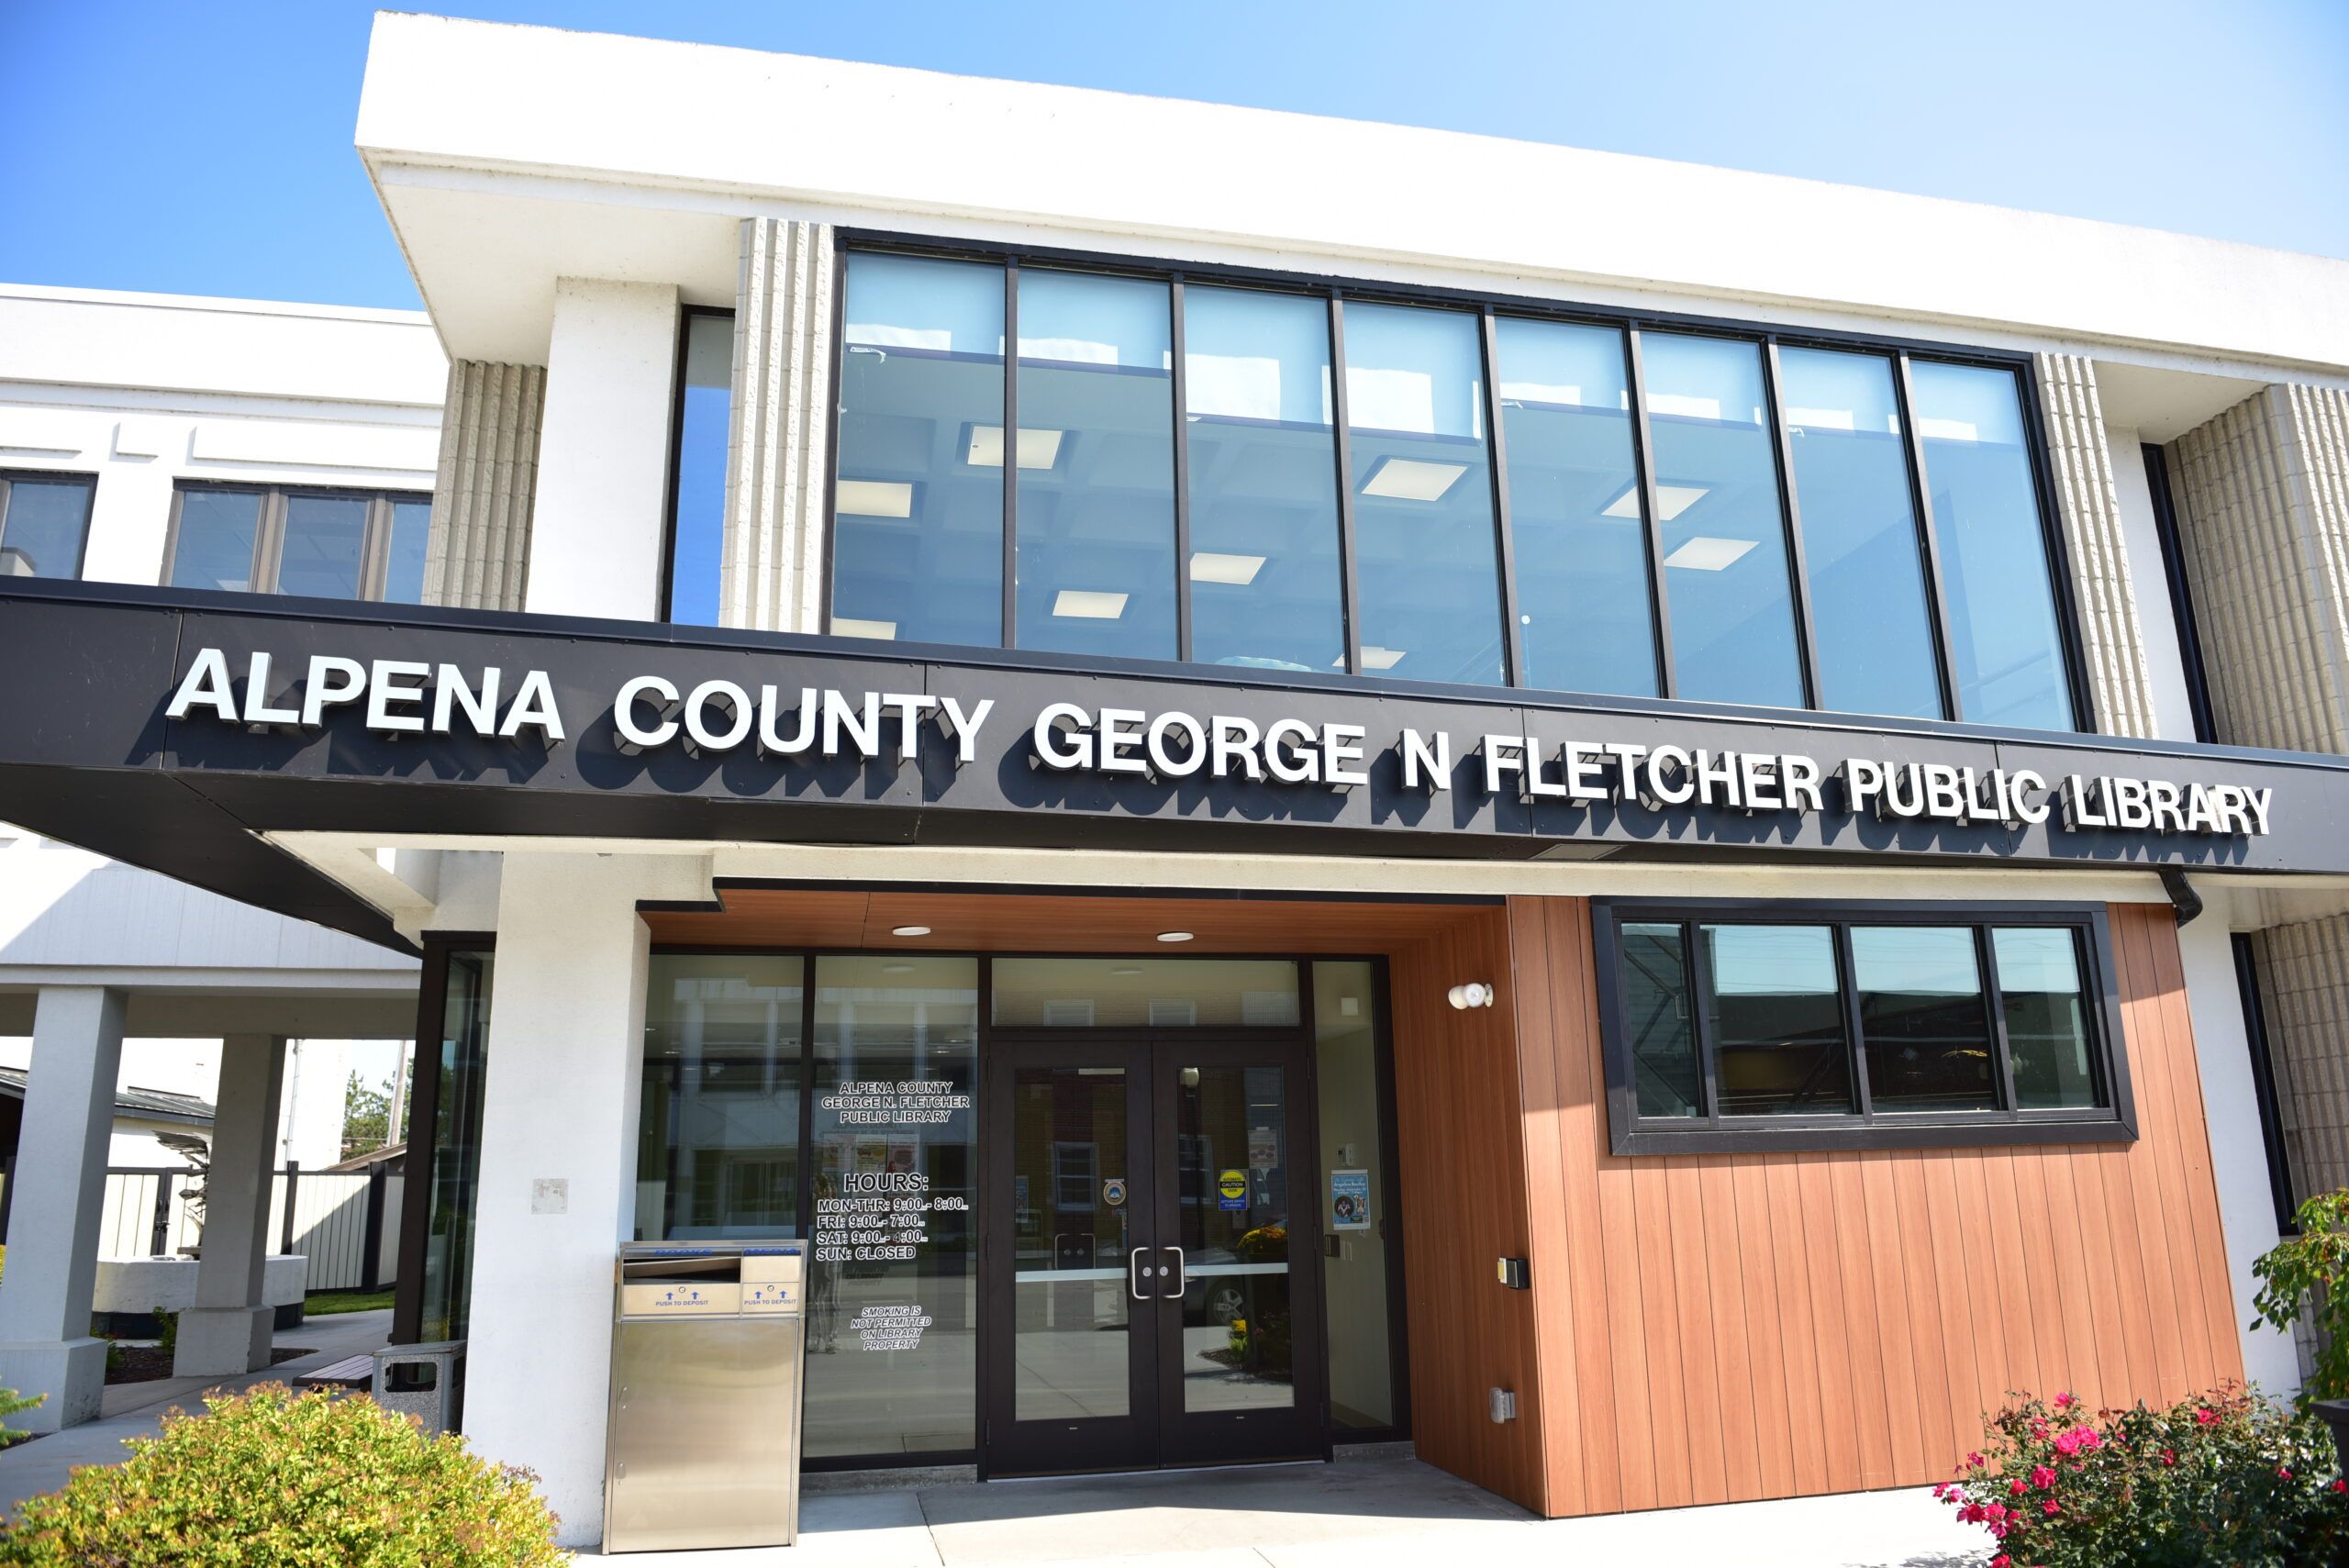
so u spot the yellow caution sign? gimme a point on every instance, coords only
(1232, 1191)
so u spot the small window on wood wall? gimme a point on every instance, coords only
(1736, 1025)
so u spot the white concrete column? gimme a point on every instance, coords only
(597, 523)
(555, 1195)
(2238, 1148)
(53, 1215)
(227, 1330)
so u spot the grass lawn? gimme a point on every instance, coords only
(322, 1304)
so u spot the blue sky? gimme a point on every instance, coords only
(206, 148)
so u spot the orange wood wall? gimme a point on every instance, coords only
(1722, 1326)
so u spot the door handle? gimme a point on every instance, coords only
(1182, 1272)
(1134, 1272)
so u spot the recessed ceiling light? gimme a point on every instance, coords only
(1671, 500)
(1382, 658)
(1037, 448)
(910, 930)
(1174, 936)
(1240, 570)
(1705, 553)
(1408, 479)
(896, 969)
(1087, 603)
(849, 626)
(873, 497)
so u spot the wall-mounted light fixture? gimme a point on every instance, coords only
(1476, 993)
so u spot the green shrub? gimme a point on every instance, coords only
(270, 1479)
(2312, 1270)
(2225, 1477)
(12, 1403)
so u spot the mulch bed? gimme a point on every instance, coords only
(147, 1364)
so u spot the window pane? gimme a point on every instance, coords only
(1160, 993)
(1923, 1014)
(892, 1339)
(446, 1289)
(1778, 1021)
(2047, 1024)
(1425, 558)
(42, 530)
(1263, 569)
(2004, 639)
(1658, 1015)
(1725, 538)
(326, 546)
(1097, 465)
(1865, 565)
(403, 560)
(216, 538)
(1574, 509)
(1353, 1272)
(918, 535)
(705, 428)
(718, 1141)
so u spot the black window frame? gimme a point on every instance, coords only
(686, 316)
(1632, 1134)
(2261, 1048)
(89, 481)
(269, 530)
(1486, 306)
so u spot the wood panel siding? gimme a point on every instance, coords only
(1715, 1328)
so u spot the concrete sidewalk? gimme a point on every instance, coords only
(1374, 1511)
(136, 1410)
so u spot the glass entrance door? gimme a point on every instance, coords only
(1152, 1289)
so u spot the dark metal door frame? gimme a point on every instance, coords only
(1156, 1432)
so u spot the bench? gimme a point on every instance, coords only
(351, 1372)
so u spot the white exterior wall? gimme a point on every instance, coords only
(598, 525)
(146, 390)
(2156, 618)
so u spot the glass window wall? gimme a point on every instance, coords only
(895, 1080)
(1097, 465)
(446, 1289)
(1145, 993)
(918, 497)
(1586, 619)
(718, 1133)
(2005, 645)
(1724, 539)
(1764, 497)
(1265, 580)
(1862, 557)
(1425, 548)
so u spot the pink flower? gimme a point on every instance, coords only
(2051, 1507)
(2064, 1401)
(1972, 1462)
(2015, 1488)
(2169, 1456)
(2041, 1477)
(2002, 1561)
(2341, 1485)
(2206, 1417)
(2282, 1473)
(1994, 1512)
(2078, 1440)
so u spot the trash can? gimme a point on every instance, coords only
(421, 1381)
(703, 1443)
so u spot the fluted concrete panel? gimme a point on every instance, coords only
(771, 574)
(2102, 588)
(2263, 499)
(2260, 493)
(2304, 978)
(478, 555)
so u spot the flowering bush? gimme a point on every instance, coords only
(2226, 1477)
(303, 1481)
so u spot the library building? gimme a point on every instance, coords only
(1652, 828)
